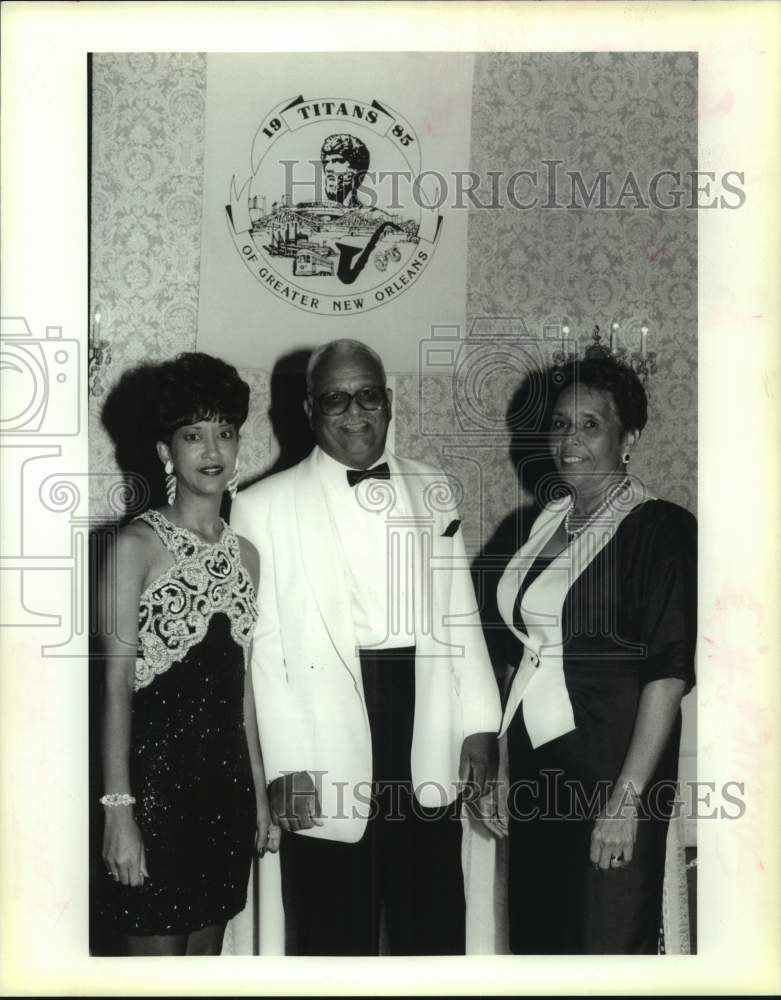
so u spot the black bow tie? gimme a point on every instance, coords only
(355, 476)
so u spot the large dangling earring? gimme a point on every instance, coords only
(625, 458)
(233, 483)
(170, 482)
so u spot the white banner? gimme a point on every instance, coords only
(328, 202)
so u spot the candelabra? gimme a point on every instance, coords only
(641, 361)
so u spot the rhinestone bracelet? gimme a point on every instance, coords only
(118, 799)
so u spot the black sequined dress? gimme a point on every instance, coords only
(189, 763)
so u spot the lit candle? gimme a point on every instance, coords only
(613, 336)
(565, 328)
(96, 327)
(644, 340)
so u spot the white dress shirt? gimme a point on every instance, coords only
(377, 564)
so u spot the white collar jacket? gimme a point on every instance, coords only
(538, 684)
(305, 663)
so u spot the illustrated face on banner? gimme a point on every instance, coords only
(345, 160)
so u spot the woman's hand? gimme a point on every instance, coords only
(491, 809)
(123, 847)
(268, 835)
(613, 836)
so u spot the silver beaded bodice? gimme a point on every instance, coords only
(176, 608)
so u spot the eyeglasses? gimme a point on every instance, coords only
(370, 397)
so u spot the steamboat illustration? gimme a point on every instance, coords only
(307, 233)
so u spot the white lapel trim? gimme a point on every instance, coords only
(539, 681)
(543, 528)
(323, 563)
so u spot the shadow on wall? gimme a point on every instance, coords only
(289, 423)
(528, 419)
(128, 417)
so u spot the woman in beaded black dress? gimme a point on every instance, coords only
(601, 602)
(185, 803)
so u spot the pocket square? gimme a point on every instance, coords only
(451, 529)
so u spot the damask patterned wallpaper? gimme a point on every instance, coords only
(528, 268)
(146, 178)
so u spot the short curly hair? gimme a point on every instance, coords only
(343, 346)
(618, 380)
(195, 386)
(350, 148)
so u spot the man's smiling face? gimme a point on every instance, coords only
(356, 438)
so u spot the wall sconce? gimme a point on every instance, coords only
(641, 361)
(99, 355)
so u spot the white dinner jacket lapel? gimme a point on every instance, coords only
(323, 560)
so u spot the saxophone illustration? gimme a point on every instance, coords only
(347, 271)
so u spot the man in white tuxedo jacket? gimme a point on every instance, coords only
(375, 696)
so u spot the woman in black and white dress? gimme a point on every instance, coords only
(601, 601)
(185, 802)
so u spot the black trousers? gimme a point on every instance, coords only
(408, 863)
(558, 904)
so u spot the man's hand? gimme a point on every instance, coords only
(479, 762)
(294, 802)
(268, 833)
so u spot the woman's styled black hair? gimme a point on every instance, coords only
(619, 380)
(196, 386)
